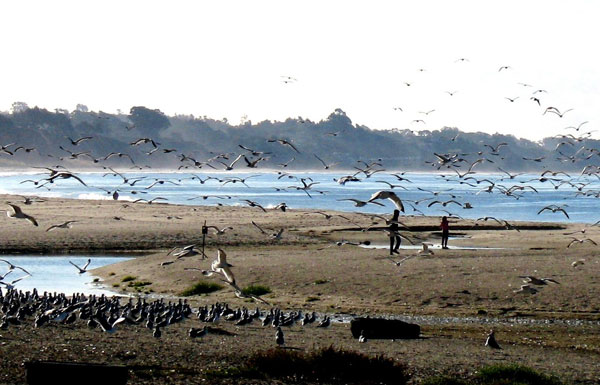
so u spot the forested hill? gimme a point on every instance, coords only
(38, 137)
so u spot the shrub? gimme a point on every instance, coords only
(320, 281)
(128, 278)
(513, 374)
(201, 288)
(256, 290)
(329, 365)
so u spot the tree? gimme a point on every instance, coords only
(146, 119)
(82, 108)
(19, 107)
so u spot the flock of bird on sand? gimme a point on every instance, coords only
(456, 167)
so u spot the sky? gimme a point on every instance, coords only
(232, 59)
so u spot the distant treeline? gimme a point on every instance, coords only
(38, 137)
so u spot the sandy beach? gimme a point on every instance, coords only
(474, 281)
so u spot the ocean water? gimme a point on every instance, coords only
(270, 188)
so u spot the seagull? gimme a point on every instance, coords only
(554, 209)
(220, 231)
(576, 240)
(388, 195)
(105, 325)
(537, 281)
(578, 262)
(76, 142)
(84, 268)
(491, 341)
(64, 225)
(254, 204)
(425, 249)
(17, 213)
(359, 203)
(11, 267)
(279, 336)
(283, 142)
(220, 267)
(526, 289)
(11, 285)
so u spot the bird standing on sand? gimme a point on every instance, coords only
(16, 212)
(491, 341)
(279, 336)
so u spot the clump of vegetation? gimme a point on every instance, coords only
(511, 374)
(116, 285)
(201, 288)
(312, 299)
(111, 273)
(256, 290)
(96, 280)
(128, 278)
(514, 374)
(321, 281)
(139, 283)
(327, 365)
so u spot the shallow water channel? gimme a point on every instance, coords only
(56, 274)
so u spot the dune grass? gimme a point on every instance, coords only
(201, 288)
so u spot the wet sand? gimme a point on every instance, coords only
(307, 270)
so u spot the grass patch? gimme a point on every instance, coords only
(256, 290)
(327, 365)
(312, 299)
(139, 284)
(201, 288)
(111, 273)
(96, 280)
(511, 374)
(128, 278)
(514, 374)
(321, 281)
(116, 285)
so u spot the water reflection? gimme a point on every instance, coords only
(56, 274)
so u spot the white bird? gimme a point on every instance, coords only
(578, 262)
(84, 268)
(16, 212)
(221, 267)
(388, 195)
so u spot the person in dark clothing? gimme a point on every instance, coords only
(445, 232)
(395, 239)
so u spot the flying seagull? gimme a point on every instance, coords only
(383, 194)
(17, 213)
(84, 268)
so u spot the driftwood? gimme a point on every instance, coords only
(67, 373)
(380, 328)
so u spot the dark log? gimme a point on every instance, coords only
(380, 328)
(67, 373)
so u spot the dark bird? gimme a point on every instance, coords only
(77, 141)
(17, 213)
(84, 268)
(283, 142)
(64, 225)
(491, 341)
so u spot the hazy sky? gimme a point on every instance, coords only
(229, 59)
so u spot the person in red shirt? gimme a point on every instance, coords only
(445, 232)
